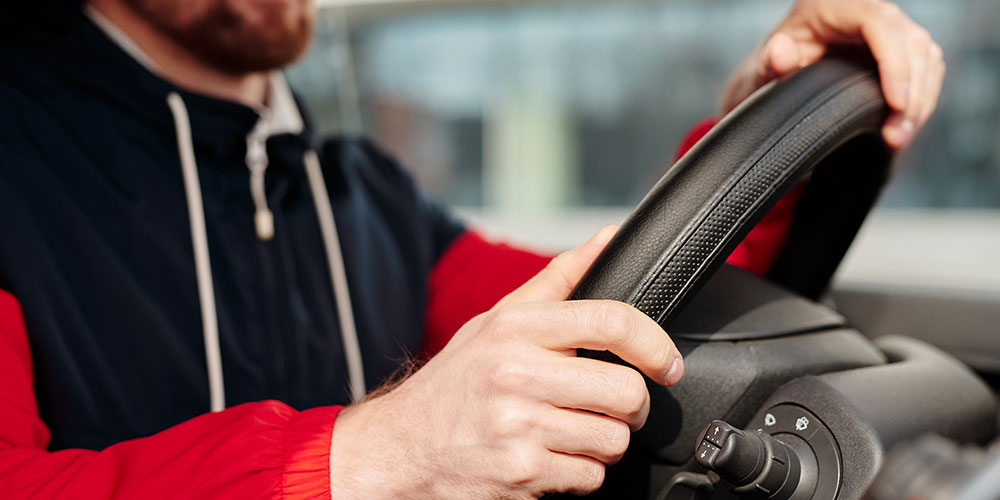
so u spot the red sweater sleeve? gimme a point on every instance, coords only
(469, 278)
(254, 450)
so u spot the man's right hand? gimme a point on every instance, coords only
(507, 409)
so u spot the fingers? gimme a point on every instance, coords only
(528, 470)
(577, 474)
(910, 67)
(884, 28)
(934, 79)
(919, 41)
(926, 77)
(560, 276)
(596, 386)
(597, 325)
(901, 126)
(577, 432)
(909, 61)
(782, 54)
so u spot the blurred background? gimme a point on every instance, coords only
(542, 121)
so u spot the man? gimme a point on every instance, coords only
(179, 254)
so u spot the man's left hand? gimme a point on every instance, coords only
(911, 64)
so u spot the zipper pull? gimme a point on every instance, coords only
(263, 219)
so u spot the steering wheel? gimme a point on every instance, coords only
(826, 116)
(764, 354)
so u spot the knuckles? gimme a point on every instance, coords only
(936, 54)
(509, 421)
(922, 36)
(522, 466)
(510, 377)
(617, 321)
(919, 39)
(617, 440)
(632, 397)
(888, 11)
(502, 320)
(664, 358)
(592, 478)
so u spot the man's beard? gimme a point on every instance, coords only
(222, 38)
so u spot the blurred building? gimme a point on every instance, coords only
(547, 119)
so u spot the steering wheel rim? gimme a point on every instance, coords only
(823, 120)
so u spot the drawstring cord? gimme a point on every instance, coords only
(202, 264)
(338, 275)
(203, 267)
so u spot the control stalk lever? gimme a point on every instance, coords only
(754, 464)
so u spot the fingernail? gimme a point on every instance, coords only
(675, 372)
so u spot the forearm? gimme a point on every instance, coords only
(255, 450)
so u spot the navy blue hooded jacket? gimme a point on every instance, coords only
(96, 245)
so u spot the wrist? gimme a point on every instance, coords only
(373, 456)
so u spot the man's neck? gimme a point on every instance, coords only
(174, 63)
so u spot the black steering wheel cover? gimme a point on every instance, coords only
(841, 192)
(707, 202)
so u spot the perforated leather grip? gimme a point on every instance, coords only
(709, 200)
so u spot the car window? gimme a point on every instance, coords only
(544, 120)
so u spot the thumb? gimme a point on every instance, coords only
(778, 55)
(561, 275)
(781, 56)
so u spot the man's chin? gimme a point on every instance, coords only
(237, 37)
(300, 3)
(256, 12)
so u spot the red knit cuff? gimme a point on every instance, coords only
(305, 471)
